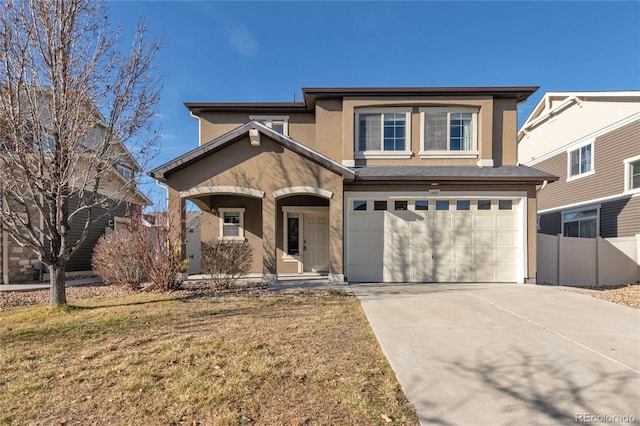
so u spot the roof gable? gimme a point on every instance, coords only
(553, 103)
(162, 172)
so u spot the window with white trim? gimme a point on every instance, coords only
(581, 223)
(231, 223)
(383, 133)
(124, 170)
(632, 174)
(292, 240)
(448, 131)
(580, 161)
(279, 123)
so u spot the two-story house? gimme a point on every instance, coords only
(367, 184)
(117, 189)
(591, 140)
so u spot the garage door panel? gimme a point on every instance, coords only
(483, 222)
(506, 221)
(506, 239)
(462, 238)
(433, 246)
(484, 239)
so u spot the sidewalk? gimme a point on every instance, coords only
(45, 286)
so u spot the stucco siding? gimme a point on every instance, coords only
(268, 168)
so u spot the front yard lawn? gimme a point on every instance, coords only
(167, 360)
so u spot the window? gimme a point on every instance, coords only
(422, 204)
(293, 232)
(484, 204)
(124, 170)
(463, 205)
(279, 123)
(505, 205)
(449, 131)
(442, 204)
(400, 205)
(359, 205)
(383, 133)
(580, 223)
(581, 161)
(632, 174)
(379, 205)
(231, 223)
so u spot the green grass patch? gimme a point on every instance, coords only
(156, 359)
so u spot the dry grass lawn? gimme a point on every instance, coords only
(163, 360)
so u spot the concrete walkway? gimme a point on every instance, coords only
(45, 286)
(491, 354)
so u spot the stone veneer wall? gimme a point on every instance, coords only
(21, 263)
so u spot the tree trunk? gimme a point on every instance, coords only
(58, 291)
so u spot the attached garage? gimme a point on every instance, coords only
(434, 237)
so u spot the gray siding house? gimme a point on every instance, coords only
(591, 141)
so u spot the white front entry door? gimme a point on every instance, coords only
(315, 246)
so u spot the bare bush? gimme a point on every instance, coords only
(117, 259)
(226, 261)
(161, 258)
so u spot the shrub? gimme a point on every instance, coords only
(226, 261)
(160, 258)
(117, 259)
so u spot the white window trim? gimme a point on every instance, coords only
(221, 212)
(580, 209)
(472, 153)
(627, 175)
(382, 154)
(269, 119)
(593, 160)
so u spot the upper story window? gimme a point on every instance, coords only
(632, 174)
(449, 132)
(383, 133)
(580, 161)
(279, 123)
(124, 170)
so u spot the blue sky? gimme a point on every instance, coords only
(217, 51)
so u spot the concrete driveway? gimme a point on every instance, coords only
(508, 354)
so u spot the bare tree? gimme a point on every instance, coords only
(71, 101)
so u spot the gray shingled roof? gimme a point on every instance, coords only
(162, 172)
(452, 173)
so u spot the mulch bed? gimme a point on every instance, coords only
(628, 295)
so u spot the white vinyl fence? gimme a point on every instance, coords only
(588, 261)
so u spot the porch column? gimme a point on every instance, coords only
(269, 273)
(336, 235)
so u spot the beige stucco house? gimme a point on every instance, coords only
(367, 184)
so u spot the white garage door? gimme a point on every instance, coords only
(432, 239)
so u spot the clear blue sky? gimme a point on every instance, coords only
(266, 51)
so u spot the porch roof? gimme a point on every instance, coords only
(453, 174)
(162, 172)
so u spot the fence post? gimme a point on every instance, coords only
(560, 259)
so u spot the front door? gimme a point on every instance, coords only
(316, 242)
